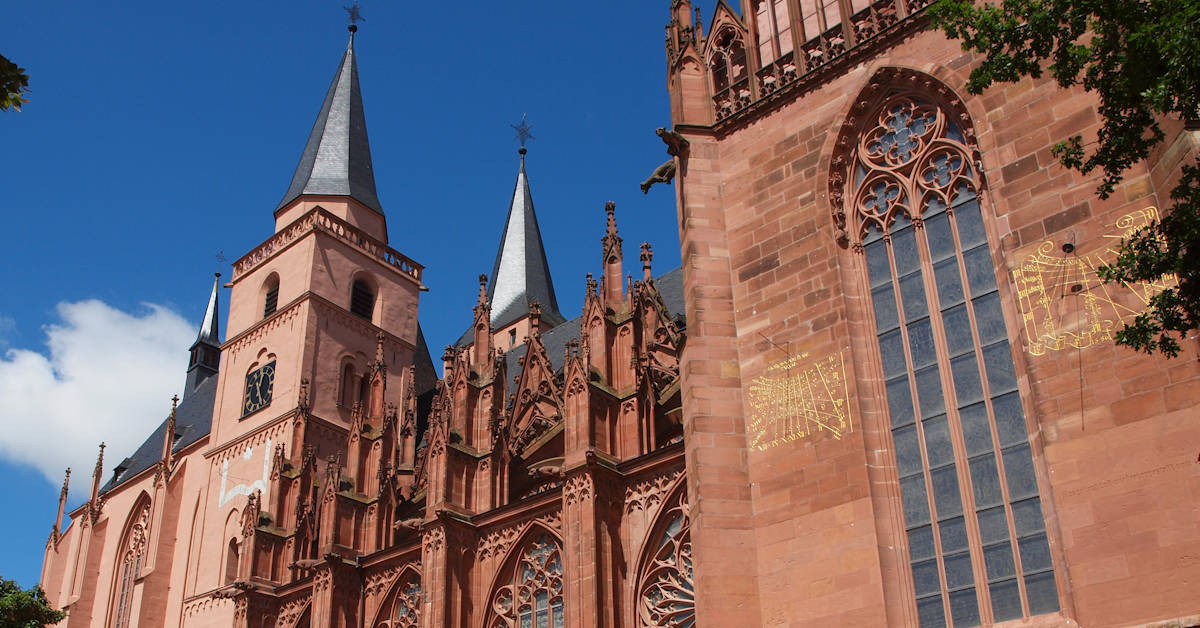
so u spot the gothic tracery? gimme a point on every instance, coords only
(533, 594)
(666, 591)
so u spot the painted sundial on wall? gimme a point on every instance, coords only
(798, 397)
(1063, 303)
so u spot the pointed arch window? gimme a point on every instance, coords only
(532, 597)
(129, 563)
(774, 22)
(666, 591)
(730, 77)
(403, 610)
(972, 513)
(270, 295)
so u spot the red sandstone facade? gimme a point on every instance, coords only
(896, 400)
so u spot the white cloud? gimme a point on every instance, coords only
(109, 376)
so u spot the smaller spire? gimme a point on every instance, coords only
(482, 289)
(56, 531)
(647, 255)
(94, 498)
(169, 438)
(379, 338)
(210, 328)
(613, 255)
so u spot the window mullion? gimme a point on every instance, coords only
(961, 460)
(920, 431)
(1014, 541)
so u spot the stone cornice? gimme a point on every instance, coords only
(318, 219)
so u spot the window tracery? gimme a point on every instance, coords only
(532, 597)
(129, 564)
(666, 591)
(405, 610)
(968, 487)
(730, 77)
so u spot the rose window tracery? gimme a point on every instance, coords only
(666, 593)
(913, 160)
(533, 596)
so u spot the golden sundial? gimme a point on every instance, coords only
(1096, 311)
(796, 398)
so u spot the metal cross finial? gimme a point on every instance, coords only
(220, 257)
(355, 15)
(522, 130)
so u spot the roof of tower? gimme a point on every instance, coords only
(337, 158)
(210, 327)
(521, 273)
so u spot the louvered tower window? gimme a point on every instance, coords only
(976, 535)
(271, 296)
(362, 300)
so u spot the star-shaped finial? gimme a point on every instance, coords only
(522, 130)
(355, 14)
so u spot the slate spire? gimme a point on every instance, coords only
(521, 274)
(337, 158)
(206, 351)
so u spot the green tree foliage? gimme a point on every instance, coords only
(13, 83)
(25, 609)
(1141, 58)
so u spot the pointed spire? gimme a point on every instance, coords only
(94, 497)
(521, 273)
(613, 255)
(56, 531)
(647, 255)
(210, 331)
(206, 351)
(168, 450)
(337, 158)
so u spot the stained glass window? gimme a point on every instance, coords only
(405, 610)
(956, 419)
(132, 549)
(667, 593)
(533, 597)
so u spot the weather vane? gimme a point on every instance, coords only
(355, 16)
(522, 130)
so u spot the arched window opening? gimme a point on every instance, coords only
(967, 481)
(129, 563)
(348, 386)
(405, 604)
(270, 295)
(731, 80)
(532, 595)
(774, 23)
(666, 591)
(362, 300)
(231, 562)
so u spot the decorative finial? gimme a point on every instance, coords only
(523, 134)
(174, 403)
(482, 288)
(66, 482)
(355, 16)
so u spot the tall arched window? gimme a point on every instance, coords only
(730, 77)
(231, 561)
(666, 591)
(129, 563)
(349, 386)
(532, 594)
(270, 298)
(362, 299)
(774, 23)
(402, 609)
(976, 535)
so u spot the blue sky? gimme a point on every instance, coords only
(159, 134)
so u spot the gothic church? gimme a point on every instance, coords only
(882, 390)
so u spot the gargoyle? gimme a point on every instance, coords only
(662, 174)
(675, 142)
(550, 472)
(408, 524)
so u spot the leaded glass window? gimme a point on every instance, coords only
(532, 598)
(972, 514)
(405, 609)
(129, 563)
(666, 591)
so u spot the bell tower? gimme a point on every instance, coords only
(322, 323)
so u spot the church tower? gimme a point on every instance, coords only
(322, 331)
(521, 274)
